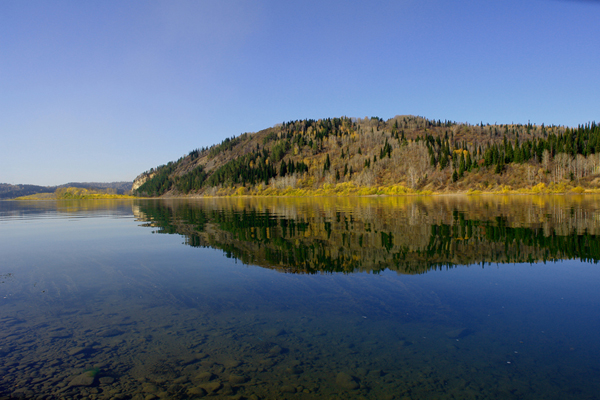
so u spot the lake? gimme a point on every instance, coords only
(450, 297)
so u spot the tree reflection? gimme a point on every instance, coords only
(408, 236)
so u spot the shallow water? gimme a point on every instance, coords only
(301, 298)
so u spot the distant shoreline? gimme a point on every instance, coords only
(338, 190)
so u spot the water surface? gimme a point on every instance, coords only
(453, 297)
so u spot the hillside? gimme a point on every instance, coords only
(8, 191)
(75, 193)
(401, 155)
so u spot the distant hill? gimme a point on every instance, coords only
(122, 187)
(8, 191)
(372, 156)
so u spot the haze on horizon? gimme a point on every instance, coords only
(102, 91)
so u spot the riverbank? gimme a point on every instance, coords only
(349, 189)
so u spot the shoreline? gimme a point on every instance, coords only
(339, 190)
(345, 190)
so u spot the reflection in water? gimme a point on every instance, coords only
(408, 235)
(93, 306)
(28, 210)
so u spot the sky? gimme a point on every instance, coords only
(100, 91)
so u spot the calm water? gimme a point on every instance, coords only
(394, 298)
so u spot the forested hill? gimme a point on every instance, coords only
(9, 191)
(370, 155)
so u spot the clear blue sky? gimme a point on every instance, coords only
(104, 90)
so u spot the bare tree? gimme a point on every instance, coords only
(579, 164)
(593, 161)
(530, 174)
(415, 159)
(546, 160)
(365, 178)
(562, 166)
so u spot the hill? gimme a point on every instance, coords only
(8, 191)
(401, 155)
(120, 187)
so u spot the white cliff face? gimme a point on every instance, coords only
(141, 179)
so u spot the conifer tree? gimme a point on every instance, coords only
(283, 168)
(327, 163)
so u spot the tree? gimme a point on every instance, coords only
(468, 162)
(562, 166)
(546, 160)
(454, 176)
(415, 158)
(499, 165)
(283, 168)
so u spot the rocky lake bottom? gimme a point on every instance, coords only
(97, 307)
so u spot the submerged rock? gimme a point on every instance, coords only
(106, 380)
(109, 333)
(227, 390)
(197, 391)
(149, 388)
(375, 373)
(237, 379)
(181, 379)
(294, 370)
(458, 333)
(288, 389)
(232, 363)
(188, 360)
(85, 379)
(205, 376)
(80, 350)
(212, 387)
(61, 334)
(275, 332)
(346, 381)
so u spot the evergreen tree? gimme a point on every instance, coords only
(444, 160)
(327, 163)
(454, 176)
(499, 166)
(283, 168)
(468, 162)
